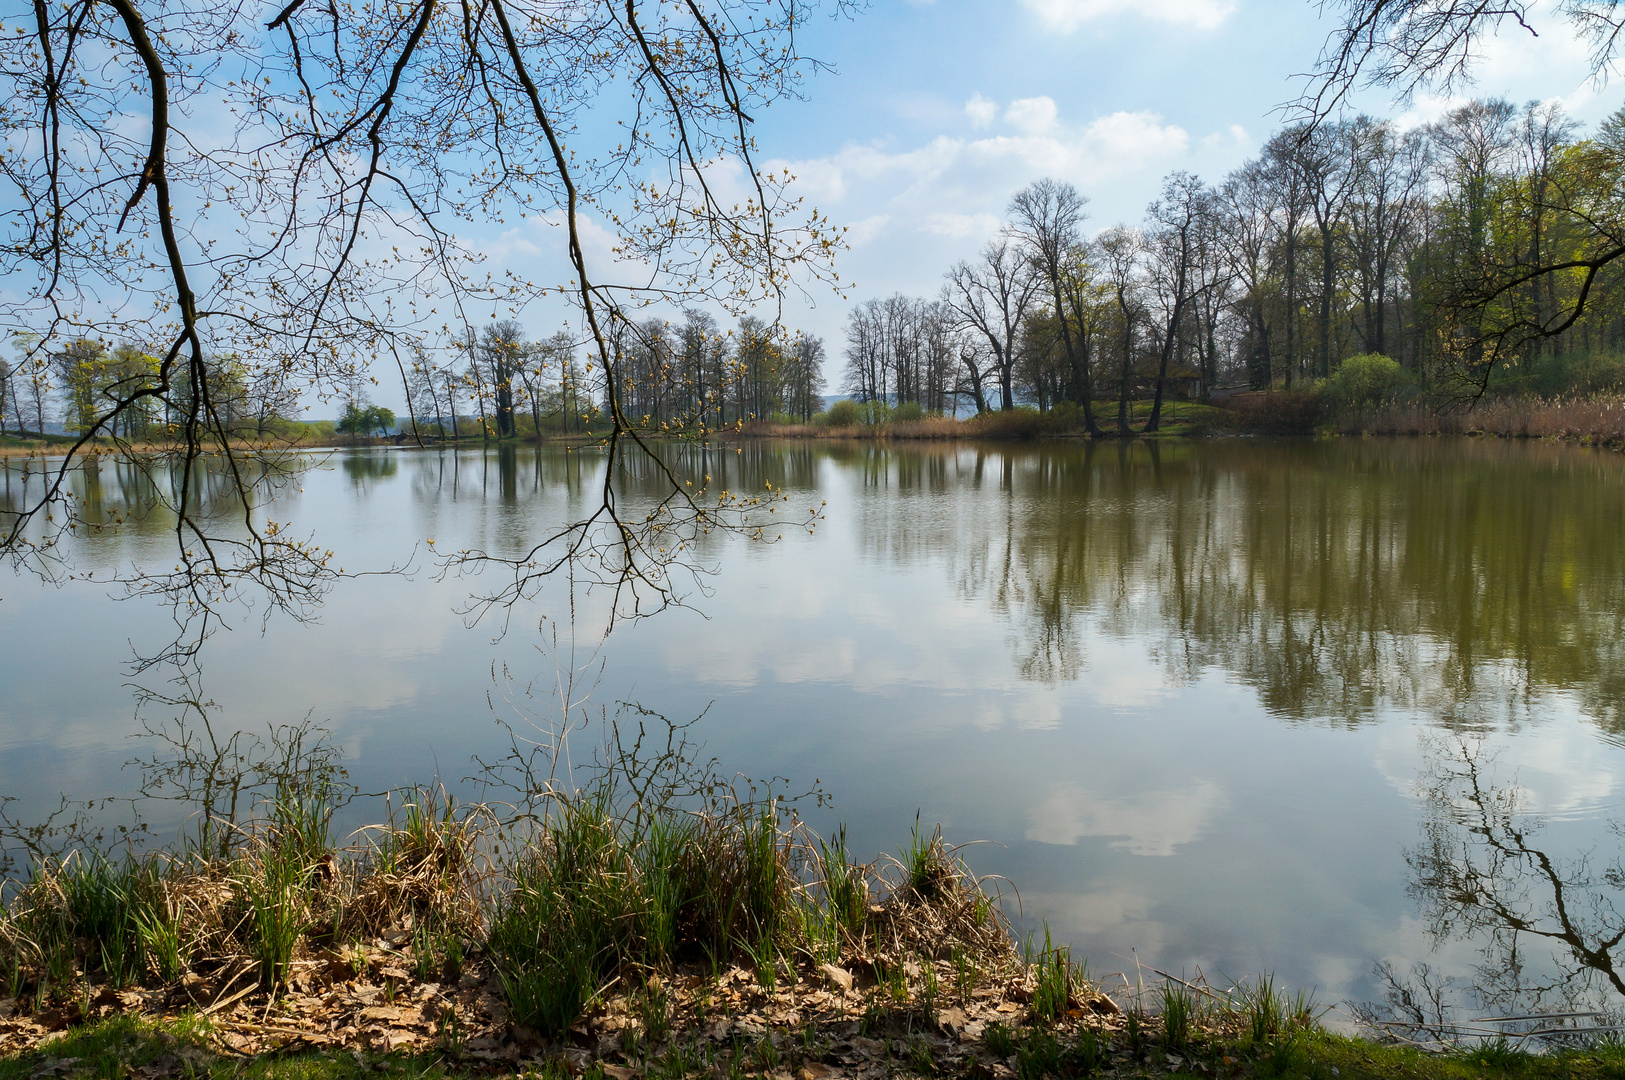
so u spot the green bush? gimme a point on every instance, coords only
(874, 412)
(909, 410)
(1365, 382)
(844, 413)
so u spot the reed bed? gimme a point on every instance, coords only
(1596, 419)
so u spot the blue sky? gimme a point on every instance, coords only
(937, 111)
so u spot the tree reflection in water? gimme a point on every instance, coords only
(1340, 579)
(1546, 924)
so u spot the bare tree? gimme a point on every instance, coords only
(317, 227)
(1291, 203)
(1323, 157)
(1046, 217)
(991, 298)
(1118, 252)
(1178, 222)
(1390, 171)
(1245, 236)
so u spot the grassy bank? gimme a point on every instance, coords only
(655, 909)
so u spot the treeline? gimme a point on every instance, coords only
(496, 382)
(489, 383)
(85, 381)
(1473, 251)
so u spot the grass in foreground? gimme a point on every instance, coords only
(653, 924)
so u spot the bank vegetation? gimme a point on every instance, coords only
(642, 917)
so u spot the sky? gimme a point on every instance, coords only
(937, 111)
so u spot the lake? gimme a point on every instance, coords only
(1231, 706)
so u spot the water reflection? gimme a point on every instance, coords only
(123, 503)
(366, 465)
(1544, 919)
(1339, 579)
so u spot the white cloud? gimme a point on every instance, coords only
(959, 226)
(1065, 16)
(820, 179)
(546, 236)
(1142, 823)
(1137, 136)
(1031, 116)
(950, 176)
(981, 111)
(861, 232)
(1235, 136)
(911, 210)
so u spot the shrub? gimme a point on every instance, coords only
(1365, 382)
(873, 412)
(907, 412)
(844, 413)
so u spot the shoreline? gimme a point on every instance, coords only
(1587, 422)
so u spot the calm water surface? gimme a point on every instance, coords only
(1235, 706)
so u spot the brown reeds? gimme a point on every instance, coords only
(1597, 419)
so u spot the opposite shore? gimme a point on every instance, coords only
(1597, 420)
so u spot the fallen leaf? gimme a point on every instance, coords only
(493, 1007)
(837, 976)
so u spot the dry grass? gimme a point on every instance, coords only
(1599, 420)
